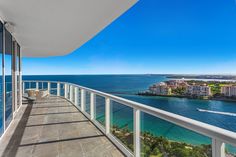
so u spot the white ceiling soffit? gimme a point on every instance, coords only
(57, 27)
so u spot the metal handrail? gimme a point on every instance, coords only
(216, 133)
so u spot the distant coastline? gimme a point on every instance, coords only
(193, 89)
(188, 97)
(203, 77)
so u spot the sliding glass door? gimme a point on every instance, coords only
(8, 77)
(1, 81)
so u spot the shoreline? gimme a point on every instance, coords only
(189, 97)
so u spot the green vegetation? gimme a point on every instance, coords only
(179, 91)
(154, 146)
(215, 85)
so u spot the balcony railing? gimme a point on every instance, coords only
(104, 110)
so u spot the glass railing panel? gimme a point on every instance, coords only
(100, 109)
(27, 85)
(87, 102)
(62, 89)
(40, 85)
(122, 123)
(45, 86)
(33, 85)
(72, 94)
(53, 88)
(162, 138)
(230, 151)
(78, 104)
(67, 91)
(8, 113)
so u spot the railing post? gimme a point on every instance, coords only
(218, 148)
(82, 100)
(107, 116)
(65, 95)
(92, 105)
(76, 96)
(58, 89)
(136, 132)
(49, 87)
(71, 93)
(37, 85)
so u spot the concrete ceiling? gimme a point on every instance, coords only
(57, 27)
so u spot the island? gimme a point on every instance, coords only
(194, 89)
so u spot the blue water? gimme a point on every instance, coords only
(127, 85)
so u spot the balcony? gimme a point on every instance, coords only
(54, 127)
(78, 121)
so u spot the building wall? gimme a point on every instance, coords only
(199, 90)
(228, 90)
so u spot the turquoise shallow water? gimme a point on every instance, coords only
(127, 85)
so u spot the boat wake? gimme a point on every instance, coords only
(217, 112)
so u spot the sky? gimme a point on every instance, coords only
(155, 37)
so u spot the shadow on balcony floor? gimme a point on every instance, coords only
(50, 129)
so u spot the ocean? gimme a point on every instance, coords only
(127, 86)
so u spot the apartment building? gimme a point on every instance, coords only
(160, 89)
(199, 90)
(228, 90)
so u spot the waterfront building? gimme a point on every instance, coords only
(173, 84)
(160, 89)
(199, 90)
(229, 91)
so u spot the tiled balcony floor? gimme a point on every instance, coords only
(53, 127)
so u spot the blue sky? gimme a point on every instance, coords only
(156, 36)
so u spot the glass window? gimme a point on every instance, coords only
(8, 76)
(1, 103)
